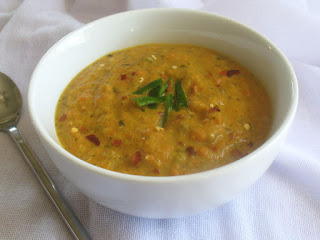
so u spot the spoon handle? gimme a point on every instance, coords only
(63, 207)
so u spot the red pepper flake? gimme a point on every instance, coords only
(232, 72)
(231, 136)
(237, 153)
(160, 114)
(117, 142)
(180, 143)
(83, 129)
(210, 74)
(215, 109)
(123, 76)
(214, 148)
(163, 76)
(169, 86)
(63, 117)
(181, 116)
(223, 72)
(246, 93)
(93, 138)
(191, 151)
(250, 144)
(156, 171)
(124, 97)
(136, 158)
(133, 73)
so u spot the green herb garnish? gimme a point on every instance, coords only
(157, 95)
(149, 86)
(181, 95)
(157, 92)
(175, 105)
(164, 88)
(154, 93)
(143, 101)
(168, 106)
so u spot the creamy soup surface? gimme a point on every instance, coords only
(163, 110)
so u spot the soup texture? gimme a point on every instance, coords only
(163, 110)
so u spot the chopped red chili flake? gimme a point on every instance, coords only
(214, 148)
(181, 116)
(180, 143)
(124, 97)
(191, 150)
(169, 86)
(237, 153)
(117, 142)
(133, 73)
(250, 144)
(215, 109)
(93, 138)
(223, 72)
(231, 136)
(63, 117)
(163, 76)
(136, 158)
(160, 114)
(246, 92)
(210, 74)
(156, 171)
(232, 72)
(123, 76)
(83, 129)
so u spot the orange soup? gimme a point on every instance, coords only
(163, 110)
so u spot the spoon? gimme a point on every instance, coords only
(10, 108)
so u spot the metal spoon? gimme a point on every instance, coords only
(10, 107)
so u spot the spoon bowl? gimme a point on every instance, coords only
(10, 102)
(10, 109)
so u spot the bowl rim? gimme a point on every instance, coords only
(289, 116)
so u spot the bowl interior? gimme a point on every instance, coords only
(80, 48)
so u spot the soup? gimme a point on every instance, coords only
(163, 110)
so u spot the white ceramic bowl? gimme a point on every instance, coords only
(162, 197)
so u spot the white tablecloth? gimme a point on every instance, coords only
(283, 204)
